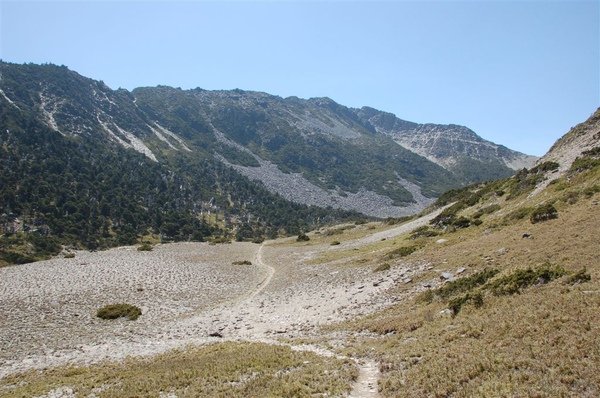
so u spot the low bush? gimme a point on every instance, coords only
(402, 252)
(543, 213)
(518, 214)
(465, 284)
(220, 239)
(520, 279)
(423, 232)
(580, 276)
(583, 164)
(145, 247)
(475, 298)
(544, 167)
(335, 243)
(242, 262)
(122, 310)
(302, 238)
(461, 222)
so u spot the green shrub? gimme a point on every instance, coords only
(520, 279)
(145, 247)
(464, 284)
(583, 164)
(475, 298)
(544, 167)
(518, 214)
(477, 222)
(302, 238)
(543, 213)
(219, 240)
(242, 262)
(122, 310)
(423, 232)
(461, 222)
(594, 152)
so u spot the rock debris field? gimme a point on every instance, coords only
(189, 293)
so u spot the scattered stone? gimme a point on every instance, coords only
(216, 334)
(461, 270)
(375, 283)
(502, 251)
(446, 276)
(407, 280)
(527, 235)
(427, 284)
(446, 312)
(440, 241)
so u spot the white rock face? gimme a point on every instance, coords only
(444, 144)
(130, 141)
(160, 130)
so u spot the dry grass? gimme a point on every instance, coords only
(220, 370)
(540, 342)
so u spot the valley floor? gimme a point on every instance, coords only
(334, 316)
(187, 292)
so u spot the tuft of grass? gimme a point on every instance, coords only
(382, 267)
(69, 255)
(121, 310)
(335, 243)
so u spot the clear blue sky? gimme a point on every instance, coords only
(518, 73)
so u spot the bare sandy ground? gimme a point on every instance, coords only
(187, 292)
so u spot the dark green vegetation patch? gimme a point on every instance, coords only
(122, 310)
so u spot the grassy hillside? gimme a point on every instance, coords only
(519, 317)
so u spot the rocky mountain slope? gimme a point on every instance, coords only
(72, 145)
(456, 148)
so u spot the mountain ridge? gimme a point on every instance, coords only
(244, 155)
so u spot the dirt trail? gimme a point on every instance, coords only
(392, 232)
(366, 384)
(281, 295)
(258, 260)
